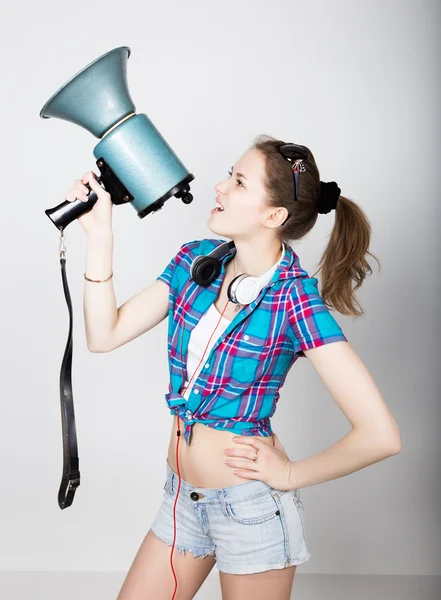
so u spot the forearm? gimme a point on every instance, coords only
(99, 305)
(357, 449)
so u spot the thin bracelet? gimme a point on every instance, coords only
(98, 280)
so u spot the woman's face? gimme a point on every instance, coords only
(242, 196)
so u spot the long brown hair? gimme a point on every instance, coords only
(344, 262)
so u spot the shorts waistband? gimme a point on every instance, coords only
(241, 491)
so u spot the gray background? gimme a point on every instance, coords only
(357, 82)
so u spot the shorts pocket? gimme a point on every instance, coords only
(253, 511)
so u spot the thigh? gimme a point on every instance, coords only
(151, 576)
(275, 583)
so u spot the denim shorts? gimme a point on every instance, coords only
(249, 528)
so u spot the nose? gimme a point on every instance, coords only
(219, 187)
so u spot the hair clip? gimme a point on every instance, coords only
(298, 166)
(296, 154)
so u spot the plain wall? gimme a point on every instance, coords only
(357, 82)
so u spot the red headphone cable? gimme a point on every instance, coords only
(178, 433)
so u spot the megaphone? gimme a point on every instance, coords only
(137, 165)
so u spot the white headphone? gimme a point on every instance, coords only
(244, 288)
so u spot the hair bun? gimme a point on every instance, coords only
(329, 195)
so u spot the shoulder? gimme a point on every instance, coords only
(300, 287)
(304, 287)
(199, 247)
(178, 268)
(311, 322)
(304, 297)
(190, 250)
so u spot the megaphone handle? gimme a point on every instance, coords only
(66, 212)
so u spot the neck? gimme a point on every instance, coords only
(256, 259)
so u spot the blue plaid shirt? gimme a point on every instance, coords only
(238, 386)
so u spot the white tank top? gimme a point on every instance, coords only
(199, 337)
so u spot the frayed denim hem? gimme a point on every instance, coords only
(196, 553)
(251, 569)
(299, 561)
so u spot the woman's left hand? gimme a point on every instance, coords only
(271, 466)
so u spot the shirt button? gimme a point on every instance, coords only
(196, 391)
(207, 365)
(246, 337)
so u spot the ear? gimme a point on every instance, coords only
(278, 216)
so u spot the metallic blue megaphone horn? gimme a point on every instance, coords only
(136, 163)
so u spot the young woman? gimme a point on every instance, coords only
(239, 503)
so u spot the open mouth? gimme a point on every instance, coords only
(218, 208)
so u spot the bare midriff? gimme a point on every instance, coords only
(202, 463)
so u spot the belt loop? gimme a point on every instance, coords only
(221, 495)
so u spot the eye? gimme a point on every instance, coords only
(230, 173)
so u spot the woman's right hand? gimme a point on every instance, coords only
(99, 219)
